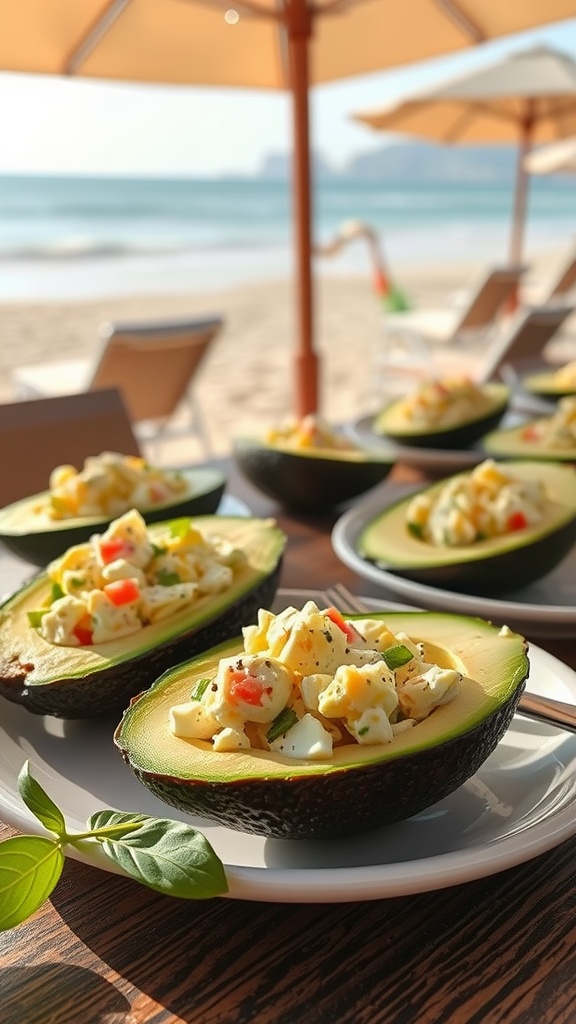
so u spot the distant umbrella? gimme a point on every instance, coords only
(526, 97)
(270, 44)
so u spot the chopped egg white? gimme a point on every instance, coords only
(487, 502)
(122, 580)
(308, 680)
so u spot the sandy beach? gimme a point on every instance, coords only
(246, 383)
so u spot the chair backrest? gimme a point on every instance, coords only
(522, 344)
(488, 299)
(39, 434)
(564, 283)
(152, 364)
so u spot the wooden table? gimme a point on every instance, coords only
(104, 950)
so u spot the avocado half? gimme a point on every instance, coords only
(391, 422)
(360, 787)
(311, 479)
(515, 443)
(488, 566)
(84, 682)
(38, 540)
(545, 385)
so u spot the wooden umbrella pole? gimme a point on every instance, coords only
(299, 28)
(521, 188)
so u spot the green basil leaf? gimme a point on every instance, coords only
(30, 867)
(168, 856)
(416, 530)
(39, 802)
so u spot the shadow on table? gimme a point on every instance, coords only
(60, 994)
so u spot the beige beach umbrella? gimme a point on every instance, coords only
(524, 97)
(270, 44)
(556, 158)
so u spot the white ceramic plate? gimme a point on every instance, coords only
(429, 460)
(546, 608)
(521, 803)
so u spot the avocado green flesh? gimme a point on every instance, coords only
(360, 787)
(312, 479)
(391, 423)
(499, 563)
(38, 539)
(511, 444)
(545, 386)
(78, 682)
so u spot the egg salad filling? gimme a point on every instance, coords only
(309, 432)
(108, 484)
(556, 431)
(123, 580)
(443, 403)
(308, 681)
(487, 502)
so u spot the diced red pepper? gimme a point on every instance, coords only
(517, 521)
(113, 548)
(529, 434)
(338, 620)
(244, 687)
(122, 591)
(83, 631)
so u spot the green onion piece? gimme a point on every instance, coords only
(158, 550)
(416, 530)
(35, 618)
(167, 579)
(200, 689)
(397, 656)
(57, 592)
(284, 721)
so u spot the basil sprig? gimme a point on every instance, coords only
(168, 856)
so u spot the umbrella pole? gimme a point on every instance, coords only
(521, 188)
(298, 24)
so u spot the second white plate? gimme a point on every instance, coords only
(546, 608)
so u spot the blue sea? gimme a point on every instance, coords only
(63, 237)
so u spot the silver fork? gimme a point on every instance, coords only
(543, 709)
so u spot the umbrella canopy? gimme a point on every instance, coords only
(555, 158)
(525, 97)
(272, 44)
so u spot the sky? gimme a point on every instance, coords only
(54, 125)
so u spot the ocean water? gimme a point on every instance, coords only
(89, 237)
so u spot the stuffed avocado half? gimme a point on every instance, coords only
(300, 789)
(53, 661)
(443, 414)
(308, 466)
(27, 530)
(495, 528)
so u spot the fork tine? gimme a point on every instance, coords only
(343, 599)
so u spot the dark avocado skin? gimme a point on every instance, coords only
(112, 688)
(340, 804)
(457, 437)
(306, 484)
(41, 548)
(495, 574)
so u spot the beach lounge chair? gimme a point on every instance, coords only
(520, 349)
(154, 365)
(413, 344)
(557, 288)
(39, 434)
